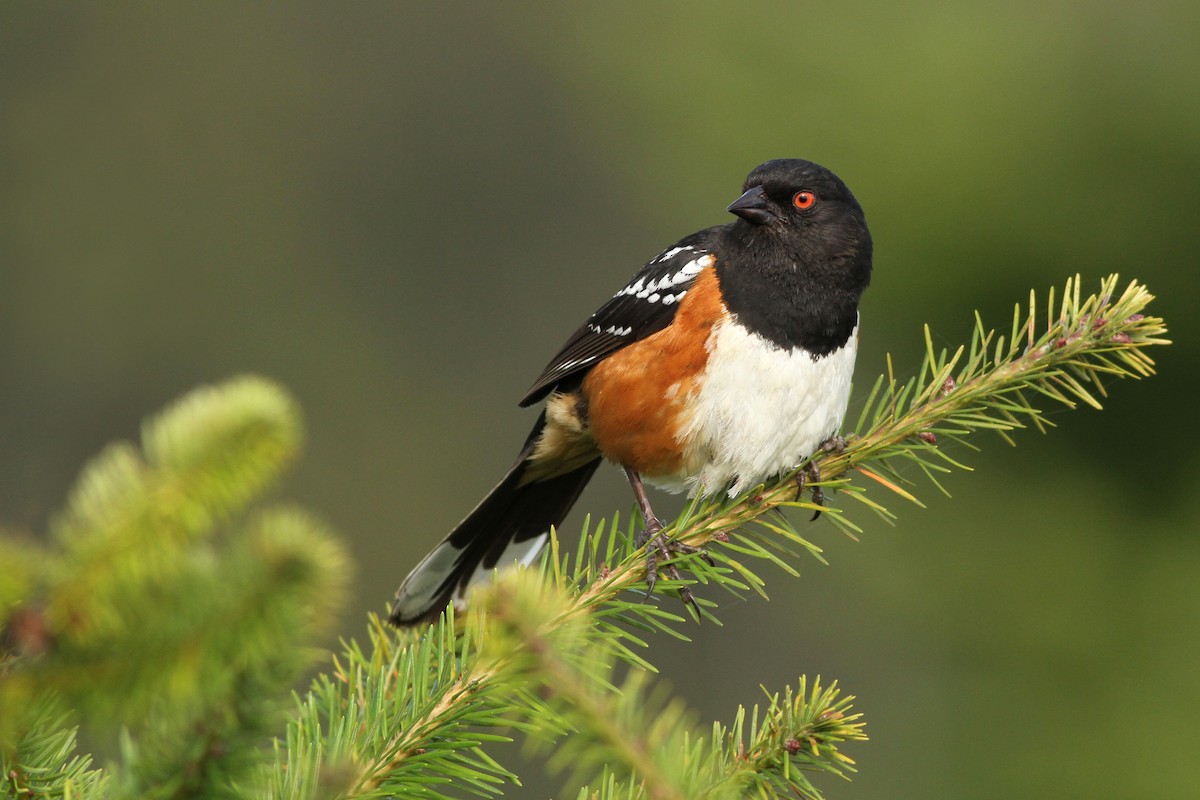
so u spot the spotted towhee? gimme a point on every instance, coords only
(725, 361)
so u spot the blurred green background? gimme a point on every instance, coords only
(400, 210)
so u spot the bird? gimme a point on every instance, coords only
(726, 360)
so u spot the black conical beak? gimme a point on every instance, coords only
(753, 207)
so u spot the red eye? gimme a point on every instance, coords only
(804, 200)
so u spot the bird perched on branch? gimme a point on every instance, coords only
(725, 361)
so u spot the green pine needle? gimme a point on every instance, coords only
(152, 556)
(987, 385)
(566, 641)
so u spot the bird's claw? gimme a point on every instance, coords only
(661, 548)
(812, 473)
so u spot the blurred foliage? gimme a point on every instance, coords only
(158, 618)
(401, 210)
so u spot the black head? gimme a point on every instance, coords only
(789, 193)
(803, 212)
(800, 254)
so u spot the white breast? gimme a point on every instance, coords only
(760, 409)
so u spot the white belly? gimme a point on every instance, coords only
(760, 410)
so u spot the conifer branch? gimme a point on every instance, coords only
(987, 385)
(407, 717)
(151, 557)
(201, 462)
(632, 730)
(158, 616)
(42, 761)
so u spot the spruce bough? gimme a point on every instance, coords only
(169, 616)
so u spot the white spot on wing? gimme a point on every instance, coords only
(693, 267)
(644, 288)
(674, 251)
(632, 288)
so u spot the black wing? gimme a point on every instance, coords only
(645, 306)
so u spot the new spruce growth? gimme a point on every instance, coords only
(169, 618)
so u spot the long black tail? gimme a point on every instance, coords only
(510, 525)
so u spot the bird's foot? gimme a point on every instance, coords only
(660, 548)
(834, 444)
(812, 473)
